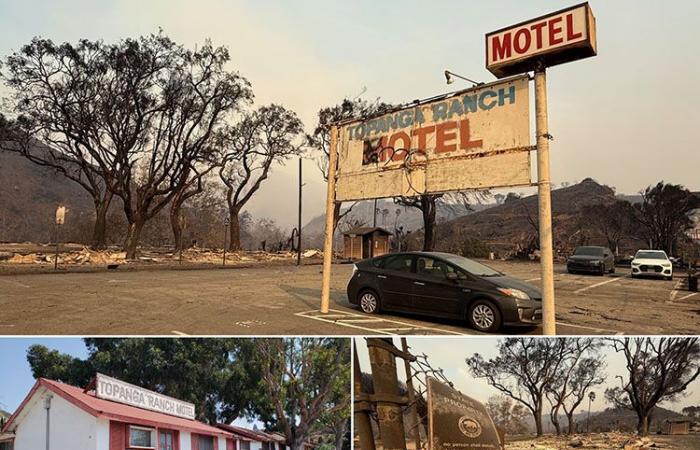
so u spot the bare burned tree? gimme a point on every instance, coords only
(65, 117)
(192, 94)
(269, 135)
(659, 369)
(428, 205)
(580, 369)
(612, 220)
(664, 215)
(524, 370)
(320, 139)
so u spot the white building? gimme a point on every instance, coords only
(58, 416)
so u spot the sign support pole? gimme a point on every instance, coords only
(545, 203)
(330, 213)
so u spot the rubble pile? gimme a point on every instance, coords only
(603, 441)
(86, 256)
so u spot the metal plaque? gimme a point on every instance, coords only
(458, 422)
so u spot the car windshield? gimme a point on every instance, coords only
(472, 267)
(589, 251)
(651, 255)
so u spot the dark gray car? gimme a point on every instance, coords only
(591, 259)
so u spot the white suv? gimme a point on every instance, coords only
(652, 263)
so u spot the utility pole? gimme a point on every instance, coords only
(545, 203)
(411, 395)
(591, 397)
(330, 212)
(299, 219)
(361, 406)
(382, 358)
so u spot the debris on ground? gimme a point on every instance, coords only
(603, 441)
(193, 255)
(313, 253)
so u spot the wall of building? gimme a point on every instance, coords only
(71, 427)
(102, 434)
(185, 440)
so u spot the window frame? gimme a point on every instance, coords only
(154, 437)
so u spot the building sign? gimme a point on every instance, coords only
(108, 388)
(458, 422)
(553, 39)
(472, 139)
(60, 215)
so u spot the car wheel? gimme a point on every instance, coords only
(612, 269)
(369, 302)
(668, 278)
(484, 316)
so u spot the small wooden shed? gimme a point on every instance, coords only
(365, 242)
(678, 426)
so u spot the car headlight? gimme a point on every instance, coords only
(666, 264)
(517, 293)
(635, 263)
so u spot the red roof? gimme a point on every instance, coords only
(116, 411)
(251, 434)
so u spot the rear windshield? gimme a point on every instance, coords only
(651, 255)
(472, 267)
(589, 251)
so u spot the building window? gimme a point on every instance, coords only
(206, 443)
(265, 446)
(142, 437)
(166, 440)
(6, 445)
(245, 445)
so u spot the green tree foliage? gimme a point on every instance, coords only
(304, 381)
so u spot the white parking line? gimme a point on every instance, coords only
(352, 318)
(533, 279)
(687, 296)
(16, 283)
(586, 327)
(675, 291)
(179, 333)
(578, 291)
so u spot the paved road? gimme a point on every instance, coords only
(283, 300)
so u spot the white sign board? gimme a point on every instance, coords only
(60, 215)
(553, 39)
(472, 139)
(109, 388)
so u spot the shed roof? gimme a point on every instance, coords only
(97, 407)
(366, 230)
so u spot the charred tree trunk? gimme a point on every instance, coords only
(133, 236)
(99, 232)
(643, 424)
(538, 420)
(554, 417)
(234, 230)
(572, 424)
(176, 222)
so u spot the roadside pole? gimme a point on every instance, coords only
(545, 203)
(330, 212)
(361, 406)
(226, 223)
(299, 219)
(55, 260)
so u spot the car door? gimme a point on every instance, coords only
(434, 293)
(395, 280)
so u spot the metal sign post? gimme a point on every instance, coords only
(60, 220)
(227, 221)
(299, 219)
(545, 203)
(330, 213)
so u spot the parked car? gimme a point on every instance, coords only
(652, 263)
(591, 259)
(446, 286)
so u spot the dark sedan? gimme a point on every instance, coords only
(592, 259)
(446, 286)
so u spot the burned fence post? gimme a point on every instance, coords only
(387, 395)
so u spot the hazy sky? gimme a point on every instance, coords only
(625, 117)
(449, 354)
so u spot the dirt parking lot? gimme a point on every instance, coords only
(283, 299)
